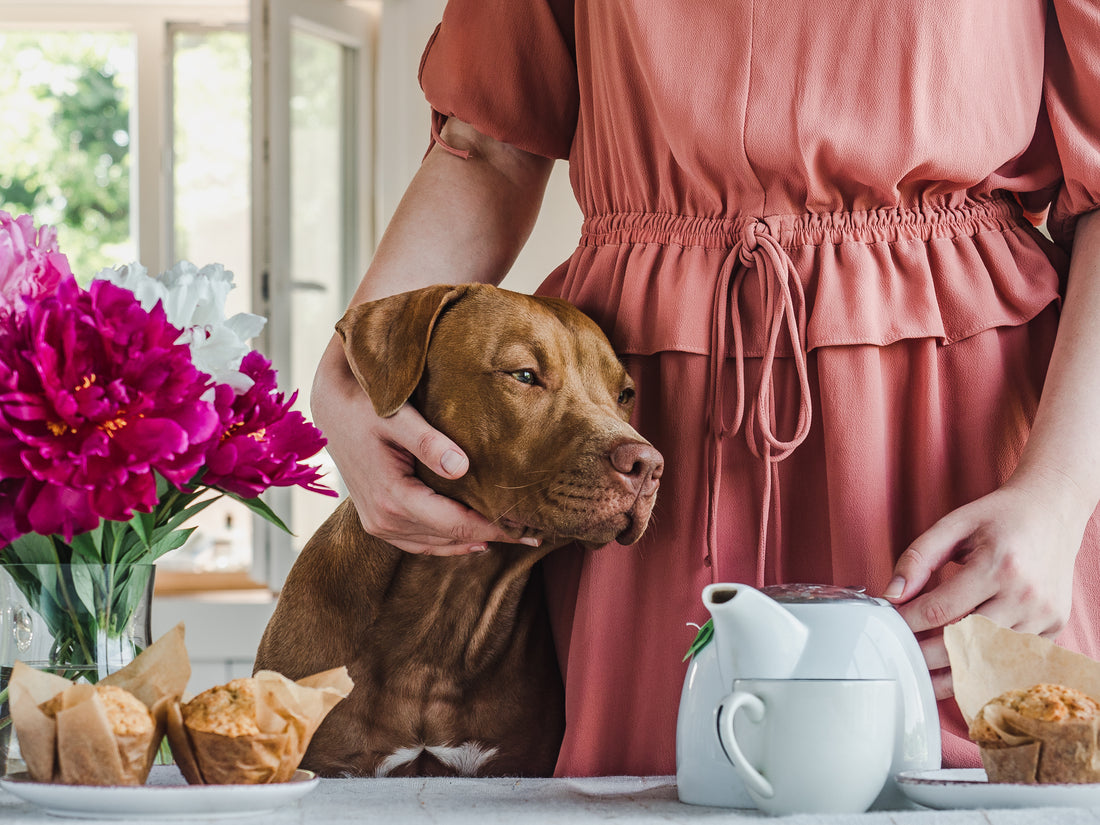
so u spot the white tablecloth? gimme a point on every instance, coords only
(553, 802)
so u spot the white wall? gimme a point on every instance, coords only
(403, 126)
(223, 631)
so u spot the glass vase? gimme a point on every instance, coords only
(79, 621)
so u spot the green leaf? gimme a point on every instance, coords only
(96, 535)
(123, 537)
(135, 552)
(164, 486)
(127, 594)
(86, 549)
(143, 524)
(170, 542)
(87, 579)
(257, 506)
(29, 549)
(184, 514)
(702, 638)
(28, 582)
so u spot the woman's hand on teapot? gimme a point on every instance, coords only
(1014, 550)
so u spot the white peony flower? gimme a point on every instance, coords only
(194, 300)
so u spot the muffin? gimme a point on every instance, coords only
(131, 724)
(251, 731)
(102, 734)
(1046, 733)
(229, 710)
(126, 714)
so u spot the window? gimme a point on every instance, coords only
(66, 158)
(234, 131)
(209, 203)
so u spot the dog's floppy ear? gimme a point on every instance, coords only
(386, 341)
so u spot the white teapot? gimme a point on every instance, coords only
(798, 631)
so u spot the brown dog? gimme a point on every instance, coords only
(453, 663)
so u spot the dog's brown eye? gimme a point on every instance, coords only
(524, 376)
(626, 396)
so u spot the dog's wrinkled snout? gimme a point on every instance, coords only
(638, 464)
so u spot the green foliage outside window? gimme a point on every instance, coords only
(65, 147)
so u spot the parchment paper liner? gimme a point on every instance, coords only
(287, 714)
(78, 746)
(988, 660)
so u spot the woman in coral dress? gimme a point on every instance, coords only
(806, 230)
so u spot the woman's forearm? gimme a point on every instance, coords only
(1064, 444)
(461, 219)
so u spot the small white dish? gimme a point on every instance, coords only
(968, 788)
(166, 795)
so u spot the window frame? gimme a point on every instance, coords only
(352, 27)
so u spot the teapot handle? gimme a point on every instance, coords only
(727, 710)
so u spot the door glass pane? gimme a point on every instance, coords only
(65, 142)
(211, 192)
(319, 176)
(212, 155)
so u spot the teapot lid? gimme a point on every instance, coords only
(815, 594)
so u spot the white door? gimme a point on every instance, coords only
(312, 65)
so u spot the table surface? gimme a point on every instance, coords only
(549, 802)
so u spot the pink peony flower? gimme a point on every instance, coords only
(95, 398)
(30, 263)
(263, 440)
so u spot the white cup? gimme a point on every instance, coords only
(810, 745)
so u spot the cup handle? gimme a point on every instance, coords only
(727, 710)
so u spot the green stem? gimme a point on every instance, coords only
(116, 542)
(109, 599)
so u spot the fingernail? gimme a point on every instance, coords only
(531, 541)
(895, 588)
(452, 462)
(479, 548)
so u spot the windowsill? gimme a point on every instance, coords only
(178, 583)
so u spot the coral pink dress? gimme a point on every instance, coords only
(803, 232)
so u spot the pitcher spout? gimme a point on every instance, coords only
(756, 636)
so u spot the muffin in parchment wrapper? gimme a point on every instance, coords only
(102, 734)
(252, 731)
(1033, 707)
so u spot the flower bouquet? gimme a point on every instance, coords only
(126, 408)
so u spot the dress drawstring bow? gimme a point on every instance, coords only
(783, 308)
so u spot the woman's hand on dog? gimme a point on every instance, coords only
(376, 459)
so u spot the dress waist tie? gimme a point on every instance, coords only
(783, 306)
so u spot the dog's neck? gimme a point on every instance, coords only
(489, 586)
(492, 584)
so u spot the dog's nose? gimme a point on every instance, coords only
(639, 464)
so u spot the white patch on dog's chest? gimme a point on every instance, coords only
(465, 759)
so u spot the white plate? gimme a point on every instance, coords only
(968, 788)
(166, 795)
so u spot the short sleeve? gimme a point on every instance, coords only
(508, 68)
(1072, 92)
